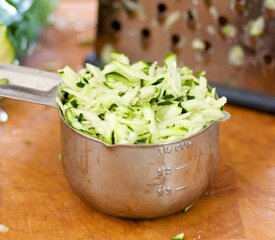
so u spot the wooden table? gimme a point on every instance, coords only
(37, 203)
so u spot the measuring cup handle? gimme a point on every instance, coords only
(29, 84)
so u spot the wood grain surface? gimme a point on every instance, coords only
(37, 203)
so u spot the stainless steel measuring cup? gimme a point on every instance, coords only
(133, 181)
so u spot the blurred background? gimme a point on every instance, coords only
(233, 40)
(36, 32)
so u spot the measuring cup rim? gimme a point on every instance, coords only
(227, 116)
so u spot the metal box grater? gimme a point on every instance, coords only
(234, 41)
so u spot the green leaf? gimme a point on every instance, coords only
(25, 21)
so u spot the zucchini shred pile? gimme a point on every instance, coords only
(139, 103)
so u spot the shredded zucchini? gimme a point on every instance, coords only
(140, 103)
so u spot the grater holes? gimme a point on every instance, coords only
(191, 16)
(176, 42)
(175, 39)
(208, 45)
(115, 26)
(267, 59)
(240, 5)
(145, 33)
(208, 3)
(222, 21)
(161, 8)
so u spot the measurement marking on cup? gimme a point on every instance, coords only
(181, 167)
(171, 148)
(182, 145)
(167, 191)
(181, 188)
(164, 191)
(164, 150)
(164, 171)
